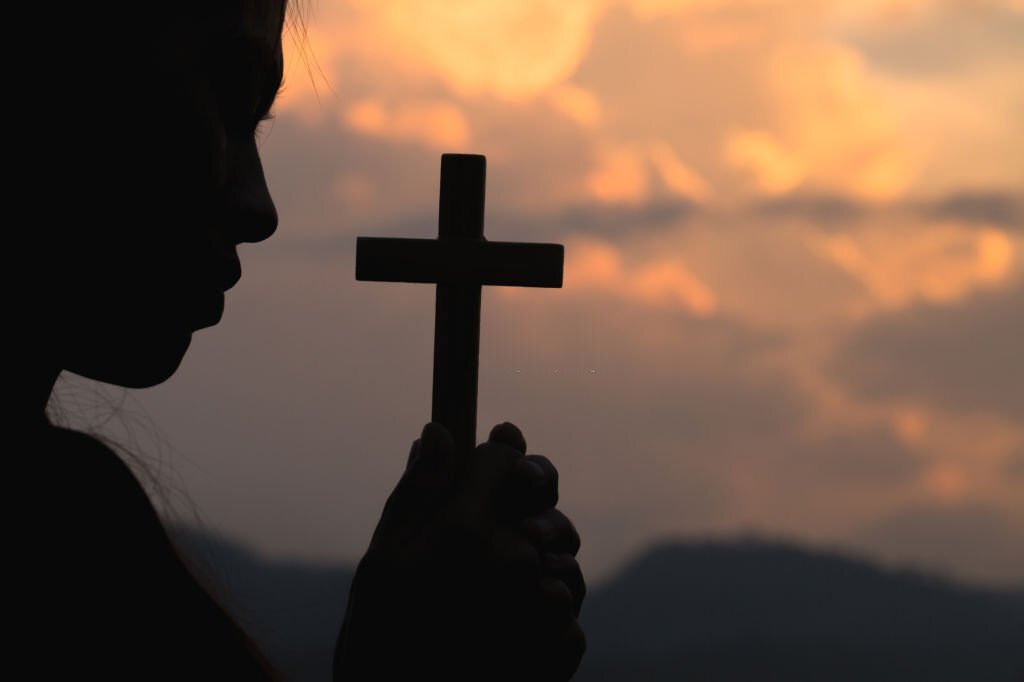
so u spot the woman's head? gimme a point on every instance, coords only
(149, 175)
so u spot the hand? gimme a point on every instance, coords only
(471, 572)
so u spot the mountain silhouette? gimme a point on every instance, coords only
(293, 609)
(718, 611)
(755, 610)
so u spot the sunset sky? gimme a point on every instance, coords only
(794, 285)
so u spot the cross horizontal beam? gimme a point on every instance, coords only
(513, 264)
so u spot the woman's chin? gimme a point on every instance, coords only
(142, 364)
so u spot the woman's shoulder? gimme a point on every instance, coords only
(83, 481)
(103, 578)
(88, 505)
(66, 452)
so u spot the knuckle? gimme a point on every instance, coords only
(568, 536)
(500, 455)
(577, 642)
(544, 463)
(509, 435)
(542, 528)
(521, 563)
(581, 586)
(555, 589)
(555, 606)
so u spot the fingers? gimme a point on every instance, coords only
(571, 650)
(532, 492)
(530, 488)
(564, 568)
(557, 541)
(552, 531)
(556, 605)
(510, 435)
(561, 642)
(539, 478)
(532, 483)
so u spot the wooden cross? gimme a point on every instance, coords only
(459, 261)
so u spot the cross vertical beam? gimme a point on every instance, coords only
(457, 307)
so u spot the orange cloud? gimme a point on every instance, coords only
(667, 283)
(650, 9)
(832, 128)
(514, 50)
(620, 177)
(436, 124)
(910, 425)
(354, 190)
(946, 482)
(776, 169)
(593, 265)
(677, 176)
(624, 173)
(720, 35)
(940, 264)
(577, 104)
(889, 10)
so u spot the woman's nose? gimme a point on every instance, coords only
(252, 216)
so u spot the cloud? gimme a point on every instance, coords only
(625, 175)
(620, 177)
(330, 181)
(863, 456)
(837, 132)
(938, 264)
(991, 208)
(439, 124)
(776, 168)
(602, 100)
(1002, 209)
(824, 210)
(677, 176)
(1015, 466)
(577, 104)
(511, 50)
(618, 221)
(594, 265)
(974, 542)
(965, 357)
(947, 38)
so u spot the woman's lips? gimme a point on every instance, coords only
(230, 275)
(207, 310)
(206, 305)
(229, 272)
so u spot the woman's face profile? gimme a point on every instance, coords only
(166, 182)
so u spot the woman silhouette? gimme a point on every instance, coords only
(139, 168)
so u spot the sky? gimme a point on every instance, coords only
(794, 277)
